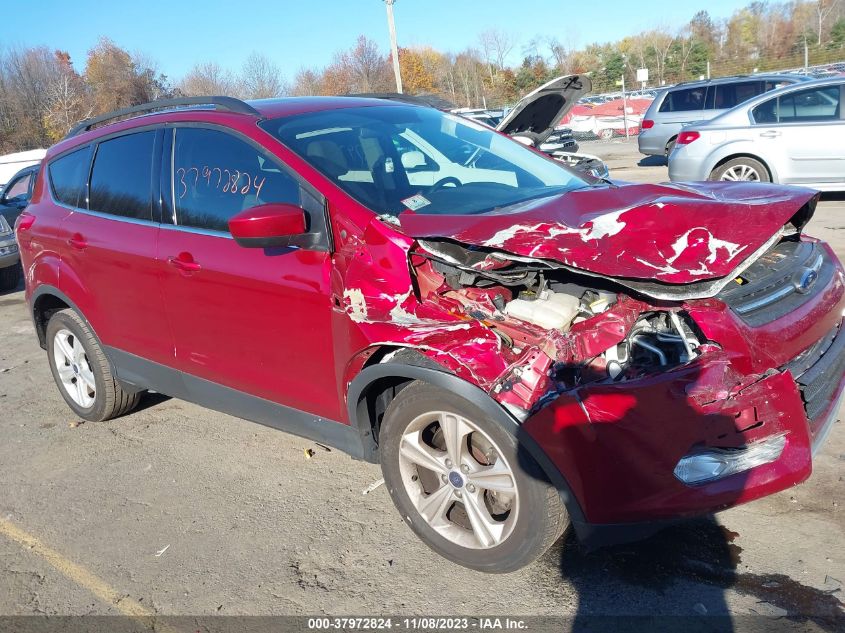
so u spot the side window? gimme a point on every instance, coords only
(814, 104)
(121, 179)
(216, 176)
(731, 94)
(67, 177)
(766, 112)
(18, 191)
(685, 100)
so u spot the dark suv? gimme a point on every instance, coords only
(522, 348)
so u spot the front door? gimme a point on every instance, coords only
(255, 320)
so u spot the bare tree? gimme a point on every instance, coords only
(261, 78)
(823, 10)
(207, 79)
(496, 46)
(306, 82)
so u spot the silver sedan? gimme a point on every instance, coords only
(792, 135)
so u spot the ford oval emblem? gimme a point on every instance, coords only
(805, 281)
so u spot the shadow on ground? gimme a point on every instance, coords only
(649, 577)
(653, 161)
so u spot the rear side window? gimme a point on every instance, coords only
(121, 180)
(685, 100)
(811, 105)
(216, 176)
(67, 177)
(815, 104)
(731, 94)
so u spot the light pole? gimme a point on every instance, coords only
(393, 48)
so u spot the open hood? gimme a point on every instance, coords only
(537, 114)
(666, 241)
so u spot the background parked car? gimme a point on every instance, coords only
(794, 135)
(696, 101)
(13, 201)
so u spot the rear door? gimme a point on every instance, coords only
(109, 247)
(251, 319)
(804, 132)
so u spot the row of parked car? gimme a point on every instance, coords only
(785, 129)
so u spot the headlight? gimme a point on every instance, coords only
(717, 463)
(8, 249)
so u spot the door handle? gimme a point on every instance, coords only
(184, 262)
(770, 134)
(78, 242)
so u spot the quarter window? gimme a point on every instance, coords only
(121, 180)
(216, 176)
(67, 177)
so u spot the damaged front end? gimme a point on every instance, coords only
(646, 380)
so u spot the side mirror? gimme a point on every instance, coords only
(267, 225)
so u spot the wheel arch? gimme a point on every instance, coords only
(48, 299)
(378, 379)
(741, 153)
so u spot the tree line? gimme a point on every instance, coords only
(42, 93)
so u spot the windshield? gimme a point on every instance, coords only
(396, 158)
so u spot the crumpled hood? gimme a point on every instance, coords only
(673, 234)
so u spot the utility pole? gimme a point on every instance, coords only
(708, 69)
(806, 54)
(393, 48)
(625, 107)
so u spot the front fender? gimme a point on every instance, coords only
(449, 382)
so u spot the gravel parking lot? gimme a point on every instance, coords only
(179, 510)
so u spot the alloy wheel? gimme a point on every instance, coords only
(741, 172)
(458, 480)
(73, 368)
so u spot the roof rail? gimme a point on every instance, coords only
(228, 104)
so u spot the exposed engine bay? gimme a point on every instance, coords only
(556, 334)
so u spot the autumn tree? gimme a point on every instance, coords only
(417, 77)
(114, 78)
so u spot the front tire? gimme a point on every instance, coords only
(742, 169)
(464, 484)
(82, 372)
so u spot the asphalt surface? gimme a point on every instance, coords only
(177, 510)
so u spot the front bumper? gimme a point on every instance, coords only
(618, 444)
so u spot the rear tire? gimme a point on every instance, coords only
(670, 146)
(82, 372)
(494, 511)
(743, 169)
(10, 277)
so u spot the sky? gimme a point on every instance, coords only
(305, 33)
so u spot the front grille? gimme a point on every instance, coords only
(818, 371)
(786, 277)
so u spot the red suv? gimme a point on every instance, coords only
(522, 348)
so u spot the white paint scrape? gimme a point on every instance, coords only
(357, 304)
